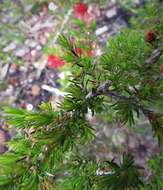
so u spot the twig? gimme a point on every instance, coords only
(156, 54)
(100, 90)
(103, 89)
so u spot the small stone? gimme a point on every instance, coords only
(47, 34)
(31, 43)
(13, 68)
(38, 47)
(9, 91)
(48, 30)
(3, 71)
(21, 52)
(133, 143)
(53, 90)
(98, 52)
(33, 53)
(119, 24)
(35, 90)
(2, 140)
(52, 6)
(89, 115)
(95, 9)
(111, 13)
(10, 47)
(118, 138)
(29, 107)
(42, 39)
(108, 131)
(61, 75)
(33, 20)
(101, 30)
(137, 1)
(28, 56)
(41, 63)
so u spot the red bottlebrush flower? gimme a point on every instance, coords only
(55, 62)
(150, 36)
(78, 51)
(82, 12)
(80, 9)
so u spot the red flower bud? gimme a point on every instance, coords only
(80, 9)
(78, 51)
(55, 62)
(150, 36)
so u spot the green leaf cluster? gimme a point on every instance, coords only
(46, 152)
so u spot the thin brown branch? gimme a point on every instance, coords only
(155, 56)
(103, 89)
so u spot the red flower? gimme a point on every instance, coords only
(55, 62)
(82, 13)
(80, 9)
(78, 51)
(150, 36)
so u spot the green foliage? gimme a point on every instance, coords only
(46, 152)
(81, 175)
(123, 176)
(22, 118)
(86, 174)
(147, 17)
(155, 181)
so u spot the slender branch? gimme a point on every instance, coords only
(103, 89)
(155, 56)
(100, 90)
